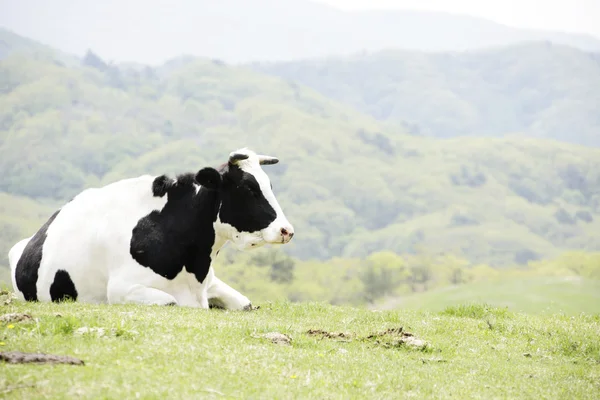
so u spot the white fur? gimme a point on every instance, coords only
(90, 239)
(13, 257)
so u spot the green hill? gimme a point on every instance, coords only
(19, 217)
(532, 89)
(11, 44)
(351, 184)
(548, 295)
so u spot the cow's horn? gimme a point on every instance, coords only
(235, 157)
(267, 160)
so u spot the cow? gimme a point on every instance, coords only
(151, 239)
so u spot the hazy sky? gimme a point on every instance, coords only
(567, 15)
(151, 31)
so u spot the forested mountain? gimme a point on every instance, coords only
(152, 31)
(531, 89)
(350, 184)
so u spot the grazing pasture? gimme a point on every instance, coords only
(536, 295)
(289, 351)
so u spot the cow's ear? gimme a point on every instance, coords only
(161, 185)
(209, 178)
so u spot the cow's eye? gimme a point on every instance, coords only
(255, 190)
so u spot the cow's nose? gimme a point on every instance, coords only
(287, 232)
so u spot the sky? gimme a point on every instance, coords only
(576, 16)
(151, 31)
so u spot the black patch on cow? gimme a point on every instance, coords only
(209, 178)
(26, 273)
(161, 185)
(243, 204)
(185, 180)
(181, 234)
(63, 287)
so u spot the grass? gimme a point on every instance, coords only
(540, 295)
(472, 351)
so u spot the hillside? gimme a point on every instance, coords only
(251, 30)
(19, 217)
(322, 352)
(351, 185)
(531, 89)
(11, 43)
(549, 295)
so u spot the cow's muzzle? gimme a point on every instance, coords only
(287, 233)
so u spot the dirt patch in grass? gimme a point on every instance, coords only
(17, 357)
(396, 337)
(276, 338)
(15, 317)
(391, 337)
(6, 298)
(343, 336)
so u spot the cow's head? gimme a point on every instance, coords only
(249, 214)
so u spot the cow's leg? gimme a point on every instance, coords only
(120, 292)
(223, 295)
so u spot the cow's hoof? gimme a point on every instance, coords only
(171, 304)
(249, 307)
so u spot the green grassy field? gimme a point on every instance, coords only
(539, 295)
(167, 352)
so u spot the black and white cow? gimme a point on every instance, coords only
(151, 240)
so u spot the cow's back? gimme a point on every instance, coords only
(73, 252)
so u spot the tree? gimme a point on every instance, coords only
(383, 273)
(90, 59)
(281, 266)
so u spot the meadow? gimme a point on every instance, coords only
(569, 295)
(288, 351)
